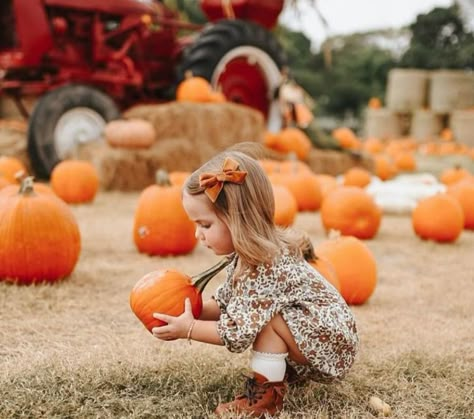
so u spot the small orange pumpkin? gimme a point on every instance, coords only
(75, 181)
(290, 140)
(453, 174)
(194, 89)
(303, 185)
(161, 226)
(286, 207)
(438, 217)
(405, 161)
(10, 166)
(40, 237)
(357, 176)
(165, 291)
(355, 266)
(352, 211)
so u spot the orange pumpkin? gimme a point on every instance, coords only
(194, 89)
(355, 266)
(286, 207)
(384, 167)
(373, 145)
(75, 181)
(352, 211)
(321, 264)
(374, 103)
(303, 185)
(178, 177)
(10, 166)
(161, 226)
(165, 291)
(129, 133)
(4, 182)
(405, 161)
(40, 236)
(438, 217)
(346, 138)
(453, 174)
(290, 140)
(327, 183)
(357, 176)
(463, 191)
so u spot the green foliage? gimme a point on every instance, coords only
(358, 71)
(440, 40)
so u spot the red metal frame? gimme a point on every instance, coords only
(128, 48)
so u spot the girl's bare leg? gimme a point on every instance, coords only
(276, 337)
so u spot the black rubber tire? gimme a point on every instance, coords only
(216, 40)
(46, 114)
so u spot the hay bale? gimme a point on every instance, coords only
(334, 162)
(13, 142)
(407, 89)
(461, 123)
(187, 135)
(451, 89)
(218, 124)
(382, 123)
(426, 125)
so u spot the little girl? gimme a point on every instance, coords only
(296, 322)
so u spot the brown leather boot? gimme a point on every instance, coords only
(260, 397)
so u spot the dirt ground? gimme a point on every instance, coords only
(423, 302)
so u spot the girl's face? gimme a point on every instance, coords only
(211, 231)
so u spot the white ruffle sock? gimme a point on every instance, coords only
(271, 366)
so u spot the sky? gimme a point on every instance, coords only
(349, 16)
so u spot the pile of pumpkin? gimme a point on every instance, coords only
(35, 219)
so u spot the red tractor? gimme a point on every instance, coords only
(87, 60)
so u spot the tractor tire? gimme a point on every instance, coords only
(62, 119)
(241, 59)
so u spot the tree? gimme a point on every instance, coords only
(440, 40)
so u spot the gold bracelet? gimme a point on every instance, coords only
(190, 330)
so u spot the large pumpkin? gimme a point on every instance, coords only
(322, 265)
(438, 217)
(40, 238)
(161, 226)
(355, 266)
(463, 191)
(165, 291)
(75, 181)
(352, 211)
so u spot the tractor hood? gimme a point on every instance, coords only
(118, 7)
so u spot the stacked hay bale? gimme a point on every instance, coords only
(421, 103)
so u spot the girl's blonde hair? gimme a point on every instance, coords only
(248, 210)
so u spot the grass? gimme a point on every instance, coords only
(74, 349)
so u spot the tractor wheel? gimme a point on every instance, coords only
(243, 60)
(64, 118)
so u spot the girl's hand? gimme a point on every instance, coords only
(177, 327)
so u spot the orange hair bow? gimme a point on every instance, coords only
(214, 182)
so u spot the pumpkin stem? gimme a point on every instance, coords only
(26, 186)
(201, 280)
(162, 178)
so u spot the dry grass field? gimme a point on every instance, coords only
(75, 350)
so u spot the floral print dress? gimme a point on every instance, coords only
(322, 324)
